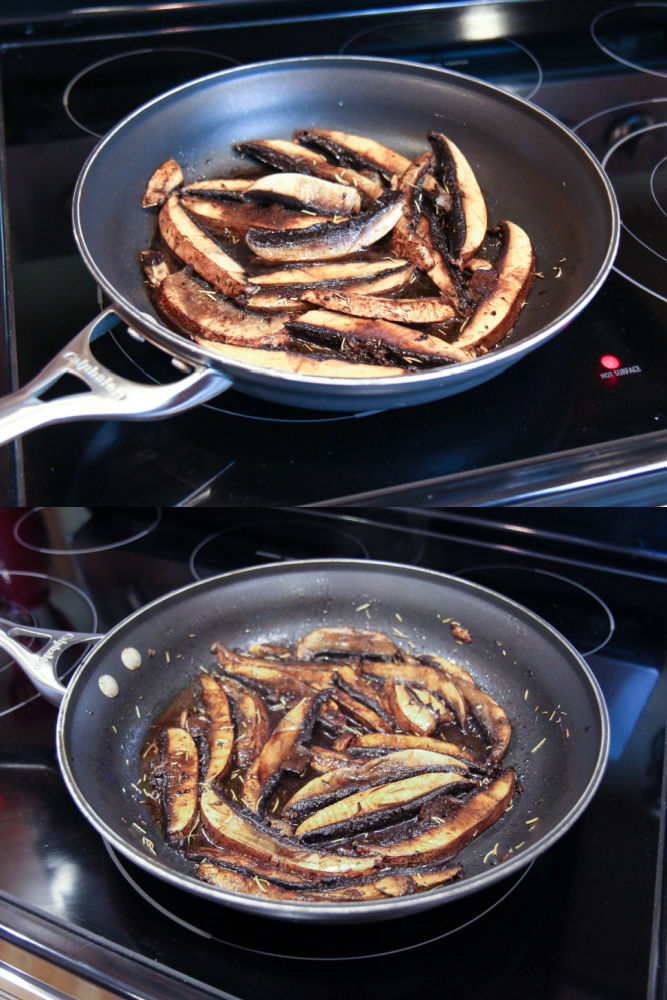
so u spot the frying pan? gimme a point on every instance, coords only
(531, 168)
(560, 736)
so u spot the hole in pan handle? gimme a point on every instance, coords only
(40, 666)
(110, 396)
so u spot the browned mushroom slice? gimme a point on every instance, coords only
(444, 839)
(373, 340)
(166, 179)
(378, 887)
(231, 188)
(347, 678)
(252, 721)
(411, 310)
(467, 219)
(357, 151)
(221, 728)
(319, 675)
(344, 780)
(341, 640)
(201, 311)
(407, 238)
(496, 313)
(364, 277)
(377, 743)
(193, 246)
(226, 826)
(238, 217)
(282, 154)
(327, 240)
(179, 771)
(273, 679)
(485, 709)
(361, 713)
(380, 275)
(321, 365)
(374, 807)
(156, 267)
(305, 191)
(281, 752)
(418, 675)
(228, 861)
(324, 759)
(413, 714)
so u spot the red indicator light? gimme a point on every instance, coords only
(610, 362)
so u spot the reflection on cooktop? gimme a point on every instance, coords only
(504, 62)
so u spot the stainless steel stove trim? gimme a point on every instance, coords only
(605, 470)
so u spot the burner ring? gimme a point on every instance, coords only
(662, 165)
(153, 516)
(638, 10)
(172, 68)
(588, 626)
(407, 933)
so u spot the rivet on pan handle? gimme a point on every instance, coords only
(110, 397)
(41, 667)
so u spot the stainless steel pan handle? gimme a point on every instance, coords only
(41, 666)
(109, 396)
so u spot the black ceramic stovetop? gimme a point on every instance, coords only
(581, 420)
(584, 920)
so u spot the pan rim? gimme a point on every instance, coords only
(351, 911)
(187, 350)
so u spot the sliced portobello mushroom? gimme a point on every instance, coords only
(414, 711)
(238, 217)
(467, 218)
(357, 151)
(379, 806)
(193, 246)
(179, 775)
(349, 642)
(321, 364)
(412, 311)
(372, 340)
(429, 678)
(378, 743)
(360, 712)
(227, 188)
(164, 180)
(299, 191)
(496, 312)
(220, 730)
(199, 309)
(281, 154)
(251, 718)
(381, 274)
(227, 826)
(377, 887)
(283, 751)
(351, 778)
(439, 841)
(328, 240)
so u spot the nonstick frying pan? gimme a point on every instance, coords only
(531, 168)
(560, 736)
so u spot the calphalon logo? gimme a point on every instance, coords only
(55, 647)
(101, 378)
(629, 370)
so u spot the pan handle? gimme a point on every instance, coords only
(109, 396)
(41, 667)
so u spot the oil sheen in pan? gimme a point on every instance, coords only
(340, 943)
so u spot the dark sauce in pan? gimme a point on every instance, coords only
(187, 711)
